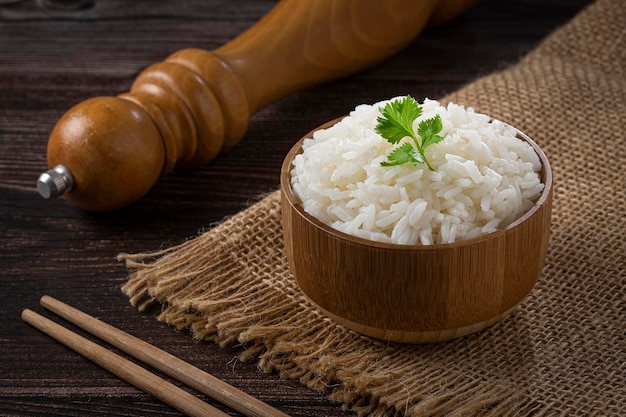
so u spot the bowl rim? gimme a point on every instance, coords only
(288, 194)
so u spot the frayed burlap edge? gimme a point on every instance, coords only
(249, 297)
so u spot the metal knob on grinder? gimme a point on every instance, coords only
(55, 182)
(107, 152)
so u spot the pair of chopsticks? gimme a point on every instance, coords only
(152, 356)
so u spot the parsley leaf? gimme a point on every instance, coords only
(397, 119)
(428, 130)
(396, 123)
(403, 154)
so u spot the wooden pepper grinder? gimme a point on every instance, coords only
(107, 152)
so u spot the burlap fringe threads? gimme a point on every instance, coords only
(235, 296)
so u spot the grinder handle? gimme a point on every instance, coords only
(107, 152)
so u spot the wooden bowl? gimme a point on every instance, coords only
(415, 294)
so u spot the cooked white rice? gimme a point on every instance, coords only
(484, 178)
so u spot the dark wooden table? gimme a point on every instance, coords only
(52, 57)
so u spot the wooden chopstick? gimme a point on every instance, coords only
(163, 361)
(123, 368)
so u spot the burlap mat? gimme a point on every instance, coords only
(561, 353)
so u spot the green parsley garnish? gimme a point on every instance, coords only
(396, 124)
